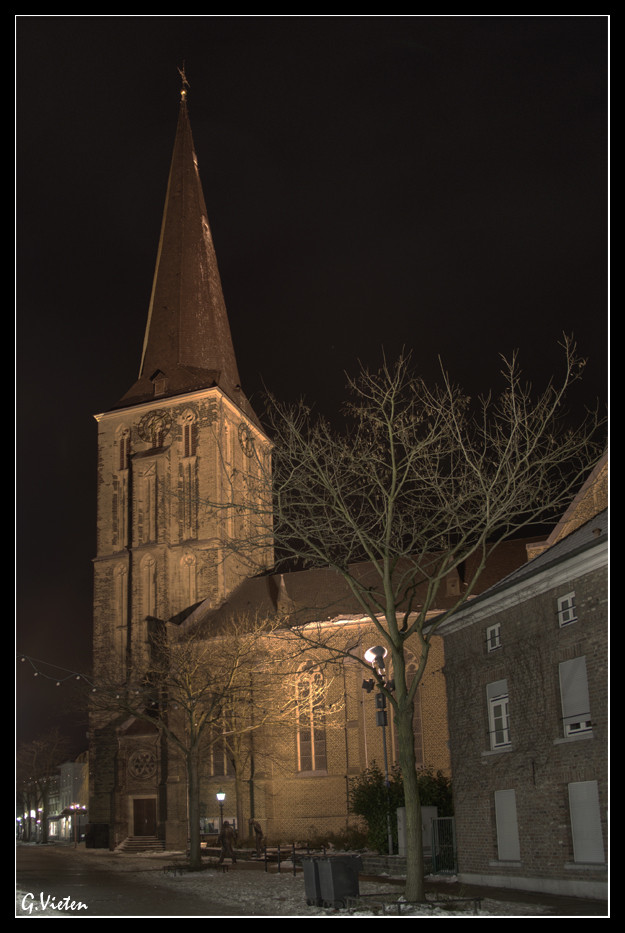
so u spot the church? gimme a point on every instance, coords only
(178, 439)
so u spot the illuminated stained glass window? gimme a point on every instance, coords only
(311, 731)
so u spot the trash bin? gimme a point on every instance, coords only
(312, 887)
(338, 878)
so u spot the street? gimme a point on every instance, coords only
(61, 878)
(57, 880)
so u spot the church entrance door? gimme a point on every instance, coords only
(144, 816)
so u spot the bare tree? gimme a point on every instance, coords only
(37, 763)
(420, 482)
(213, 685)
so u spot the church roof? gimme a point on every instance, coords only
(321, 594)
(188, 344)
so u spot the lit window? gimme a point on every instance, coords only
(311, 732)
(221, 763)
(566, 609)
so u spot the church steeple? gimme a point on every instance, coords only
(187, 344)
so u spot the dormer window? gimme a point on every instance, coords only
(159, 381)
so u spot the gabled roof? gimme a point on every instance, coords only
(586, 545)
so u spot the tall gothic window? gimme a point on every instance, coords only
(189, 438)
(311, 730)
(188, 569)
(148, 586)
(119, 525)
(188, 492)
(124, 449)
(221, 763)
(147, 504)
(121, 617)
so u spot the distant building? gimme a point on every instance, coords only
(70, 807)
(526, 670)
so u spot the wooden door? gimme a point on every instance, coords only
(144, 810)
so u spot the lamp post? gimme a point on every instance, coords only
(221, 797)
(76, 809)
(375, 656)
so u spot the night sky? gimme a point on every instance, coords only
(438, 183)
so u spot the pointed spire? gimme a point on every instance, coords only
(187, 344)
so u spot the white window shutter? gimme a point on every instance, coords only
(586, 822)
(508, 846)
(574, 691)
(496, 689)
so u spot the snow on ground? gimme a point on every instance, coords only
(256, 892)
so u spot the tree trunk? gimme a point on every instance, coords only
(195, 849)
(415, 887)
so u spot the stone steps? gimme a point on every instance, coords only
(134, 844)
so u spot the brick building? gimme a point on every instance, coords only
(173, 462)
(526, 671)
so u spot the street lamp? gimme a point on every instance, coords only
(375, 657)
(221, 797)
(76, 809)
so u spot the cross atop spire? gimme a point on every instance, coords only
(185, 83)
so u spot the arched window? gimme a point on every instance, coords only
(189, 434)
(148, 586)
(221, 758)
(124, 448)
(311, 730)
(121, 616)
(188, 569)
(120, 501)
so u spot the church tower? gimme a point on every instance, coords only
(178, 456)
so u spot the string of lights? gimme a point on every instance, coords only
(60, 675)
(52, 672)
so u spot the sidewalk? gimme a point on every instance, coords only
(246, 889)
(553, 904)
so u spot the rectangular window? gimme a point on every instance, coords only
(498, 717)
(586, 822)
(508, 846)
(574, 696)
(566, 609)
(493, 637)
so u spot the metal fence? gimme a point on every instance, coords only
(444, 854)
